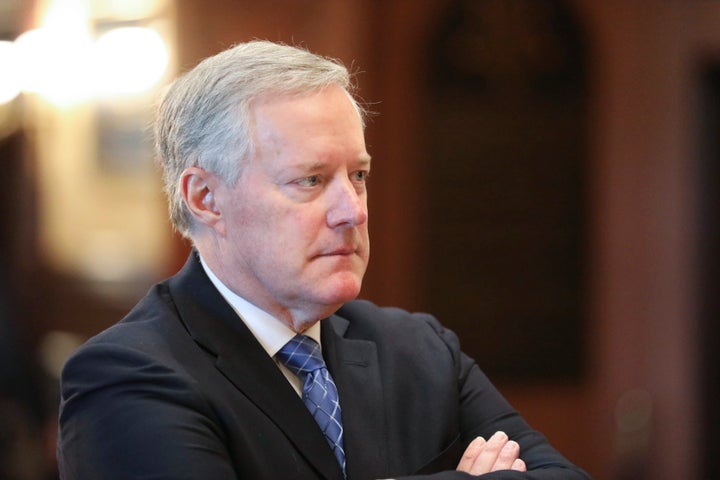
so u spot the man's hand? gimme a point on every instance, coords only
(498, 453)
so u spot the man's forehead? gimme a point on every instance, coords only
(279, 96)
(273, 99)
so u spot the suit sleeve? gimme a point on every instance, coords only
(125, 416)
(484, 411)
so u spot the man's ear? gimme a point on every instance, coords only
(198, 190)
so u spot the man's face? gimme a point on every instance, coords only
(296, 237)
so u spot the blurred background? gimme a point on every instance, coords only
(546, 180)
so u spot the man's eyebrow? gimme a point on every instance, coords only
(365, 160)
(362, 161)
(306, 166)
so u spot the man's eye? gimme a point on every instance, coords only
(310, 181)
(360, 175)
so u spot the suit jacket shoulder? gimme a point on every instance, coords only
(181, 389)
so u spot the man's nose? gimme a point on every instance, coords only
(348, 207)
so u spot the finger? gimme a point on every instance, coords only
(519, 466)
(489, 454)
(471, 453)
(509, 453)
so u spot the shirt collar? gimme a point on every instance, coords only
(268, 330)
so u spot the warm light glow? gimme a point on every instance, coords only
(54, 63)
(54, 57)
(66, 68)
(9, 79)
(128, 9)
(66, 15)
(60, 61)
(32, 52)
(129, 60)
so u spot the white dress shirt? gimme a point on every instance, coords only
(268, 330)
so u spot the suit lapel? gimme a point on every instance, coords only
(215, 326)
(355, 369)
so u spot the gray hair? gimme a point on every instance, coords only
(204, 118)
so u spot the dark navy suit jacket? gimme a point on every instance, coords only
(181, 389)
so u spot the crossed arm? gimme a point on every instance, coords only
(484, 411)
(497, 453)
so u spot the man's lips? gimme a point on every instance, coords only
(338, 252)
(341, 251)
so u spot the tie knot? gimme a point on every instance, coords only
(301, 355)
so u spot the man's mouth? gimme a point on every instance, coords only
(342, 251)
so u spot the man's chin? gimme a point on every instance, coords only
(342, 288)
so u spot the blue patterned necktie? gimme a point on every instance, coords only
(303, 357)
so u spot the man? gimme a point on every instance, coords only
(265, 167)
